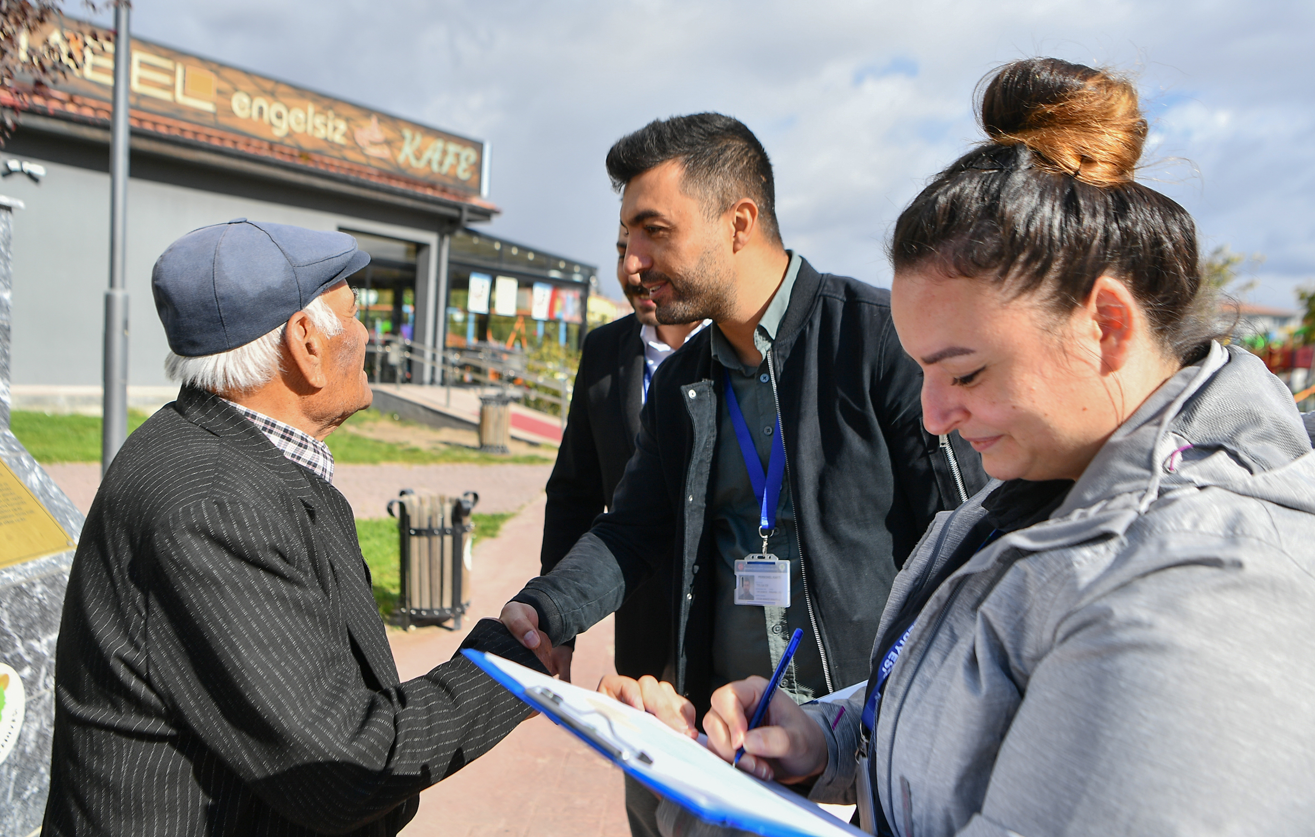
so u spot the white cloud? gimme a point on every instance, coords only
(858, 103)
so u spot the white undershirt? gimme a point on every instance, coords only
(655, 351)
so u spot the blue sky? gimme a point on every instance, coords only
(858, 103)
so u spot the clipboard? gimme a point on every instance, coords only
(665, 761)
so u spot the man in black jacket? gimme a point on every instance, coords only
(809, 357)
(221, 666)
(616, 367)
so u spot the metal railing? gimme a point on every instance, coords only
(393, 359)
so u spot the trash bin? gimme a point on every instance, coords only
(435, 551)
(495, 423)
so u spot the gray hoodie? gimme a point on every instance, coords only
(1140, 663)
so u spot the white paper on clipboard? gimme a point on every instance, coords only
(665, 761)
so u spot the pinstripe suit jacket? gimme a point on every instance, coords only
(221, 667)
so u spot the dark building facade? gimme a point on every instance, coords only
(211, 143)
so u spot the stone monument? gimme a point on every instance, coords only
(39, 528)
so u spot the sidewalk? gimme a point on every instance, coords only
(461, 404)
(539, 781)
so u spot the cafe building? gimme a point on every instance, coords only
(211, 143)
(500, 295)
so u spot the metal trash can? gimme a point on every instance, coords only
(495, 423)
(435, 550)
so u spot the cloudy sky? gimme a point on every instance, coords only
(858, 103)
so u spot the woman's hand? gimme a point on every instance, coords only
(788, 747)
(655, 698)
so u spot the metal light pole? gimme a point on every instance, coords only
(7, 207)
(115, 405)
(436, 316)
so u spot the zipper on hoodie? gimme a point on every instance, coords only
(803, 565)
(954, 467)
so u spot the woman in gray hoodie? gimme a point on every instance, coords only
(1114, 636)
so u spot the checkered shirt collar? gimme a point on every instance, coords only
(300, 447)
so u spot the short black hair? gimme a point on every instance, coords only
(723, 162)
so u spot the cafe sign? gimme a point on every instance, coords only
(224, 100)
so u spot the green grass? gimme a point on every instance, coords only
(73, 438)
(378, 537)
(63, 438)
(489, 525)
(350, 447)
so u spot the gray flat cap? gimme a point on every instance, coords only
(225, 285)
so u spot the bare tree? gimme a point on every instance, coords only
(30, 65)
(1221, 269)
(1306, 298)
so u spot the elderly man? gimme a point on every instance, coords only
(222, 668)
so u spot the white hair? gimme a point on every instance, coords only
(250, 366)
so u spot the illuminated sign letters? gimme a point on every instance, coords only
(226, 102)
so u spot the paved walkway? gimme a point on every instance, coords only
(501, 488)
(539, 781)
(462, 404)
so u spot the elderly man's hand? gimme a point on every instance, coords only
(523, 622)
(656, 698)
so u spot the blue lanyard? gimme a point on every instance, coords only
(883, 673)
(888, 661)
(766, 487)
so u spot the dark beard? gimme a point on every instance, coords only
(703, 294)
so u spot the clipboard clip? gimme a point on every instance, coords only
(572, 719)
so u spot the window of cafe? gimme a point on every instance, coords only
(505, 294)
(501, 296)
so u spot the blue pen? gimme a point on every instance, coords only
(761, 711)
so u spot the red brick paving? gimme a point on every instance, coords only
(501, 488)
(79, 480)
(539, 781)
(552, 430)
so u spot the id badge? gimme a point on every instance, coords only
(762, 580)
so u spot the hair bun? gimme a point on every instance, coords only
(1077, 120)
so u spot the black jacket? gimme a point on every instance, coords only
(865, 477)
(221, 666)
(599, 441)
